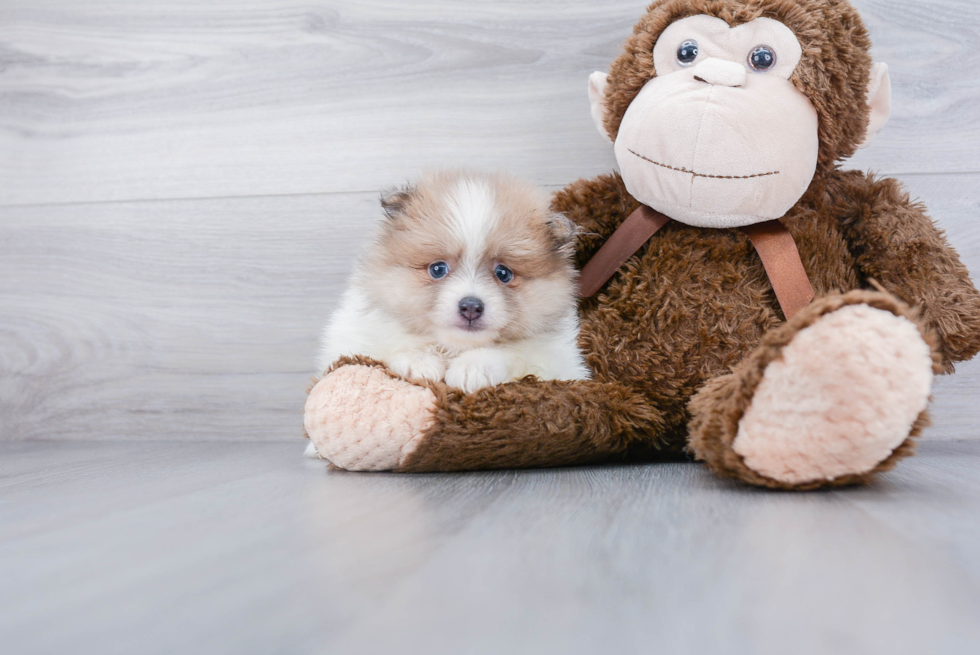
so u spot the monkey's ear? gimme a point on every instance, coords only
(394, 201)
(597, 97)
(879, 100)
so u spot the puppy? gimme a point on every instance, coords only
(470, 280)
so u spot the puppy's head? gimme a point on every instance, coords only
(472, 259)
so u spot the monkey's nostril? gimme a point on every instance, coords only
(700, 79)
(471, 308)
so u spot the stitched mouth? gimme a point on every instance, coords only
(717, 177)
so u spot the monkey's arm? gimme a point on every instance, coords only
(362, 418)
(535, 423)
(896, 244)
(597, 206)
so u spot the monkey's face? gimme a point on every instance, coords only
(720, 137)
(723, 118)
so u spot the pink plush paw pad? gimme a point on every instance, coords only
(843, 396)
(362, 419)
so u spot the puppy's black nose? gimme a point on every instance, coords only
(471, 308)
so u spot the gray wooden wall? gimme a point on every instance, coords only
(184, 183)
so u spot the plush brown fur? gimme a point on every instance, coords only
(692, 314)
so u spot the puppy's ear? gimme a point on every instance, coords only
(563, 233)
(394, 201)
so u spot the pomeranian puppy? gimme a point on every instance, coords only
(470, 280)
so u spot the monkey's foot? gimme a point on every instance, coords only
(360, 418)
(830, 399)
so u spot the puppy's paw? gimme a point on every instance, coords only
(478, 368)
(416, 365)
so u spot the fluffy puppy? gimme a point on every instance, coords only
(470, 280)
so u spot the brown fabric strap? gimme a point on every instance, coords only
(771, 240)
(623, 244)
(783, 265)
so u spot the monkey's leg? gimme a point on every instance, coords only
(830, 398)
(362, 418)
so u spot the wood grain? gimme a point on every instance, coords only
(183, 319)
(166, 548)
(198, 319)
(116, 100)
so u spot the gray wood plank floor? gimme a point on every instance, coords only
(203, 548)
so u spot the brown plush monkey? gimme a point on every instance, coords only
(725, 114)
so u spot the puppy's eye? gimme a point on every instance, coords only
(503, 274)
(438, 270)
(687, 53)
(762, 58)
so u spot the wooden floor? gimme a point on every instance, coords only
(205, 548)
(184, 185)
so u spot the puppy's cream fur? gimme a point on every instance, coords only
(394, 311)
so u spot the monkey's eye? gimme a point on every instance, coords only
(762, 58)
(503, 274)
(687, 53)
(438, 270)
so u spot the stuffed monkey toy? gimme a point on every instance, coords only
(745, 301)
